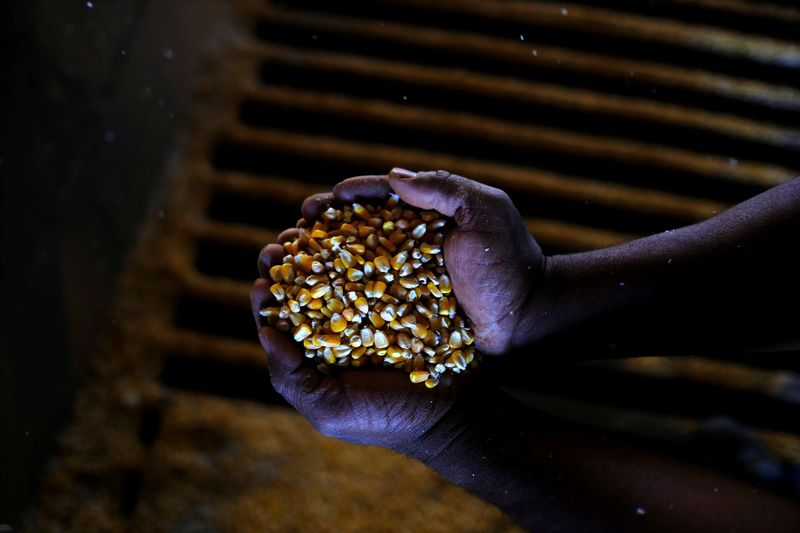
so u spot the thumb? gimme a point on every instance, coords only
(466, 201)
(283, 354)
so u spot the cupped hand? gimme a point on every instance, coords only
(367, 405)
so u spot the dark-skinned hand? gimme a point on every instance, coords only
(492, 261)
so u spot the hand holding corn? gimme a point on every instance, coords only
(492, 262)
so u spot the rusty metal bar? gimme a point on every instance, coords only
(742, 7)
(620, 24)
(784, 97)
(531, 91)
(200, 345)
(489, 129)
(722, 374)
(622, 197)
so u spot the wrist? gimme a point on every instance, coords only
(466, 426)
(544, 303)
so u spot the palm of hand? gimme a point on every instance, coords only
(377, 406)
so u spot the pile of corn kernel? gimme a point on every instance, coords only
(368, 285)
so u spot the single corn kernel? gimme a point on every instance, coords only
(329, 340)
(382, 263)
(381, 340)
(418, 376)
(444, 284)
(431, 382)
(398, 260)
(361, 304)
(275, 273)
(367, 337)
(353, 274)
(301, 332)
(277, 291)
(320, 290)
(338, 323)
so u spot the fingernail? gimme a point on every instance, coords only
(403, 173)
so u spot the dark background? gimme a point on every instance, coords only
(94, 98)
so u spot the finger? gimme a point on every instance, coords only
(271, 254)
(315, 204)
(288, 235)
(290, 376)
(362, 188)
(260, 297)
(451, 195)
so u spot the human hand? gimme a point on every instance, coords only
(368, 405)
(491, 257)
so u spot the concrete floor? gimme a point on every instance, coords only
(95, 98)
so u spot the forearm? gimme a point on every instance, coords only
(550, 475)
(716, 286)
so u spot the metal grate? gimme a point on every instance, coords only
(602, 125)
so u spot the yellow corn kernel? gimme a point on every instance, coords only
(429, 248)
(294, 307)
(404, 340)
(316, 303)
(353, 274)
(287, 273)
(335, 305)
(348, 313)
(408, 320)
(365, 231)
(314, 279)
(303, 296)
(357, 249)
(398, 260)
(394, 352)
(435, 292)
(389, 313)
(358, 352)
(419, 330)
(303, 262)
(445, 285)
(387, 244)
(367, 337)
(382, 263)
(347, 258)
(277, 291)
(467, 337)
(270, 312)
(376, 319)
(418, 376)
(419, 231)
(417, 345)
(361, 212)
(275, 273)
(321, 290)
(379, 289)
(301, 332)
(348, 229)
(409, 283)
(361, 304)
(342, 351)
(406, 269)
(455, 340)
(338, 323)
(381, 340)
(327, 340)
(431, 382)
